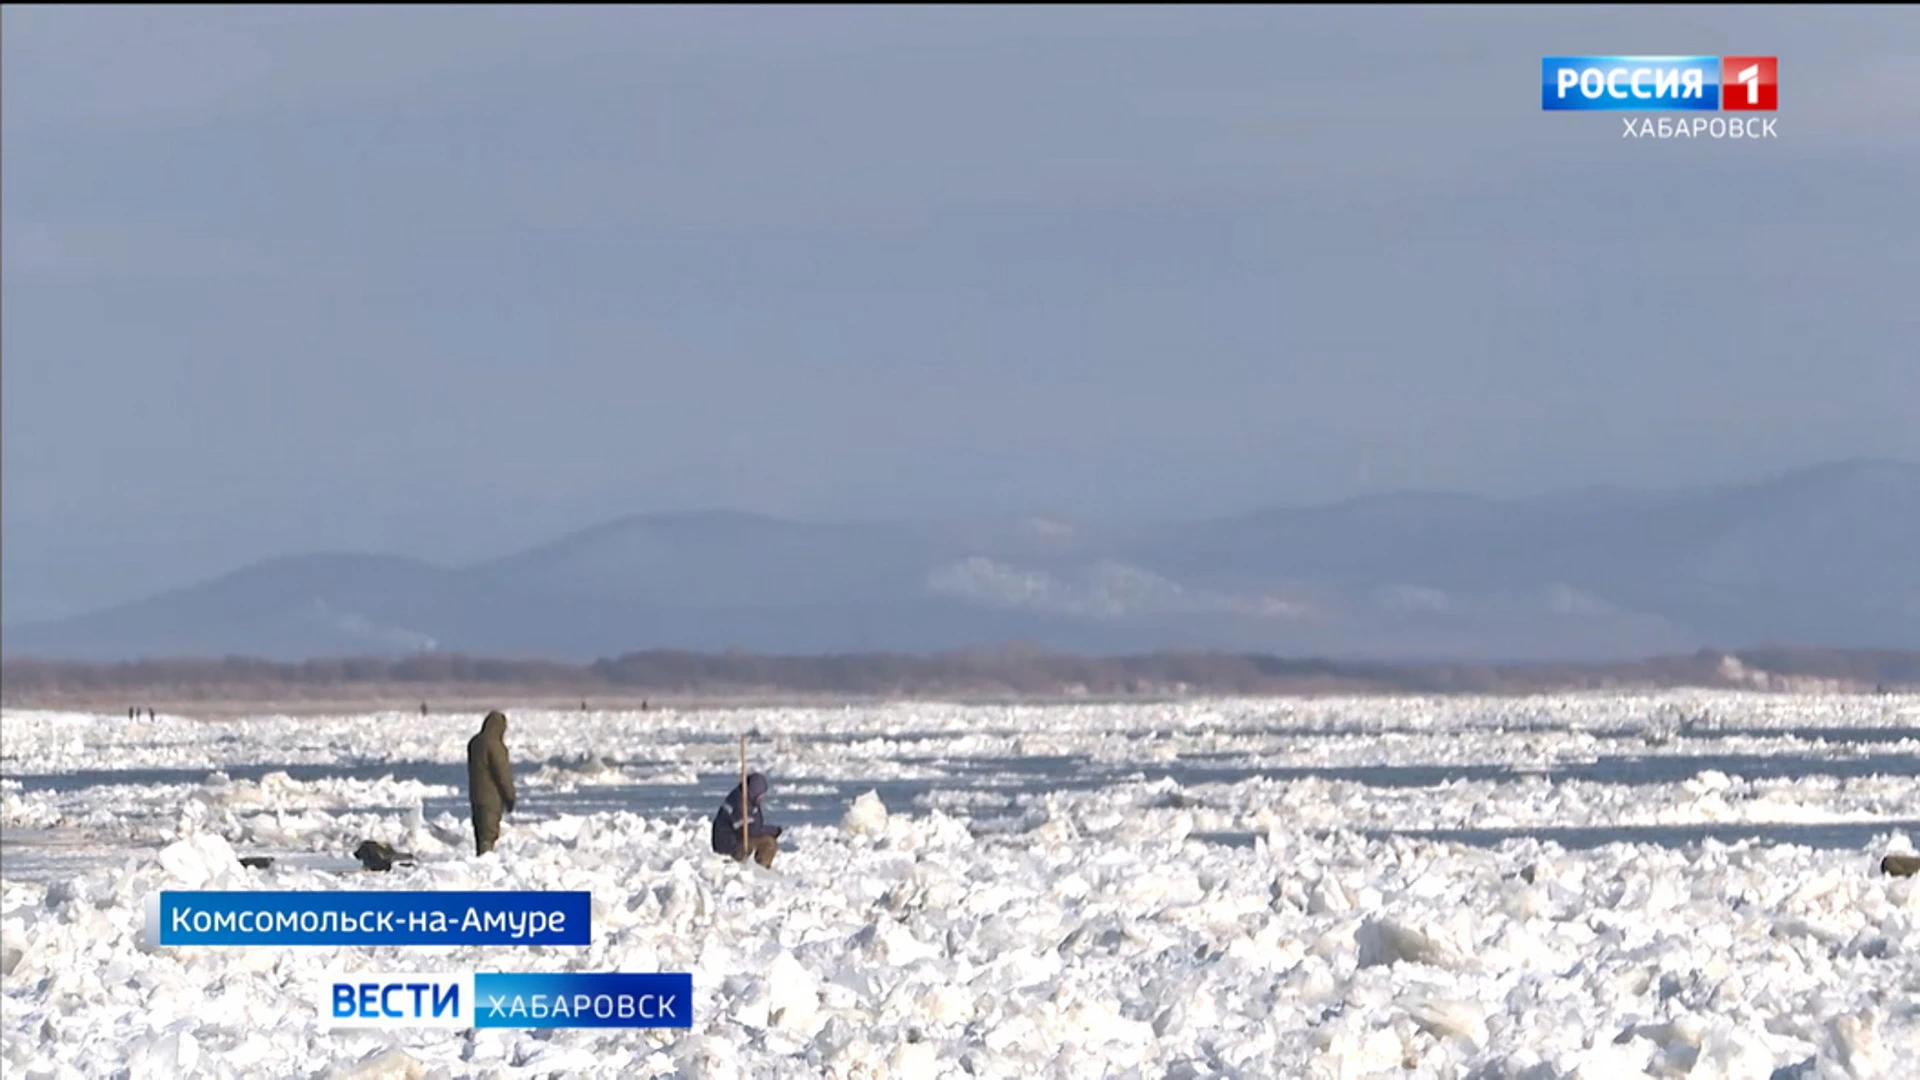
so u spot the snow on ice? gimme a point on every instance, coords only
(1146, 926)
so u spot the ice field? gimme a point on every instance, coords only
(1579, 886)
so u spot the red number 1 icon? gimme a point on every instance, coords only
(1749, 83)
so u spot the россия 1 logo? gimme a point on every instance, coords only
(1660, 83)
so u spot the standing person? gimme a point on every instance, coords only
(762, 839)
(489, 780)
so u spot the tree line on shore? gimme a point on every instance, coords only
(1007, 671)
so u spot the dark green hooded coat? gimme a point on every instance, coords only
(489, 780)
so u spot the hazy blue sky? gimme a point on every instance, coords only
(443, 282)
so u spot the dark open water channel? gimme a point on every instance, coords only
(996, 784)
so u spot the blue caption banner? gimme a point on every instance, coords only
(557, 999)
(372, 918)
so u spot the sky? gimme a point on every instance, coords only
(447, 282)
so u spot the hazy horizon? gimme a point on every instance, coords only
(447, 283)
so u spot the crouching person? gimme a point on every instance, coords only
(762, 839)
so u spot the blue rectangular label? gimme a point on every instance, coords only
(372, 918)
(557, 999)
(1630, 83)
(368, 999)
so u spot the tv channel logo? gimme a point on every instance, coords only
(538, 999)
(1749, 84)
(396, 1000)
(1660, 83)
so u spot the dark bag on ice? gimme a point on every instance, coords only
(375, 855)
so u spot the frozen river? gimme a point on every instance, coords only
(1586, 885)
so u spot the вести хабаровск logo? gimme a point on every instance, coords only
(1660, 83)
(528, 999)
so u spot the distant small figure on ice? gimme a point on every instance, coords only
(256, 862)
(763, 840)
(423, 708)
(375, 855)
(1900, 865)
(489, 780)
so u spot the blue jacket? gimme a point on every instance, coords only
(726, 821)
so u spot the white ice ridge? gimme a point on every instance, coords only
(1516, 730)
(1089, 933)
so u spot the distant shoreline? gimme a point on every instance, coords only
(465, 701)
(684, 680)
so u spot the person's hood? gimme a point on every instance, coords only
(495, 725)
(756, 789)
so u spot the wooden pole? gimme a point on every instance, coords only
(744, 800)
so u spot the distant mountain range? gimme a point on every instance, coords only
(1828, 556)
